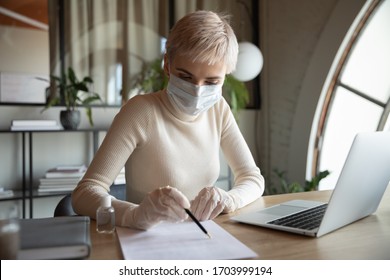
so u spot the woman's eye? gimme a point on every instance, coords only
(185, 77)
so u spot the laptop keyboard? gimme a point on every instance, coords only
(307, 219)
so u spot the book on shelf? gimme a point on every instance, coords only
(56, 189)
(37, 128)
(34, 123)
(21, 125)
(58, 181)
(6, 193)
(80, 167)
(76, 172)
(61, 178)
(55, 238)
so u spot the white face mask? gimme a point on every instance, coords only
(192, 99)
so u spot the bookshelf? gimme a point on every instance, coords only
(28, 192)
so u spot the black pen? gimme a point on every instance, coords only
(196, 221)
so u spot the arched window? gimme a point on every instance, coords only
(358, 97)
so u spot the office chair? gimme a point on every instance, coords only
(64, 207)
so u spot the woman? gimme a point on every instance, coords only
(169, 141)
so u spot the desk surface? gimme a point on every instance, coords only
(368, 238)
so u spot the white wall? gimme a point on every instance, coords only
(299, 40)
(24, 50)
(328, 44)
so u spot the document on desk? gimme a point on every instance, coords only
(181, 241)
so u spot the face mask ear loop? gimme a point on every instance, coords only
(166, 66)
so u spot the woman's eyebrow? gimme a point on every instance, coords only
(190, 74)
(184, 70)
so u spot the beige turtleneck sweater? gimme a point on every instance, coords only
(160, 146)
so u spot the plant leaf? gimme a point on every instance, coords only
(72, 76)
(88, 111)
(237, 94)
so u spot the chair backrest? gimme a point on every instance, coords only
(64, 207)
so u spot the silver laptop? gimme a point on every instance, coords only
(357, 194)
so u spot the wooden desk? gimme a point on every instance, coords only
(368, 238)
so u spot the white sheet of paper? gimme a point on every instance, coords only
(181, 241)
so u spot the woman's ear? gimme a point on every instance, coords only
(166, 65)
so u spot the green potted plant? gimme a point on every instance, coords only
(152, 78)
(236, 94)
(286, 187)
(72, 93)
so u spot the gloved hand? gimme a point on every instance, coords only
(210, 202)
(163, 204)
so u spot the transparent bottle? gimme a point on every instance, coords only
(105, 216)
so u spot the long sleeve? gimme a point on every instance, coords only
(119, 143)
(248, 181)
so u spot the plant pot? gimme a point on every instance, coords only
(70, 119)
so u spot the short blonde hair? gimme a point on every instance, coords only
(204, 36)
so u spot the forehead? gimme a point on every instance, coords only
(198, 69)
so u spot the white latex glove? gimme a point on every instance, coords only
(163, 204)
(210, 202)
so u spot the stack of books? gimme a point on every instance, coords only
(22, 125)
(61, 178)
(6, 193)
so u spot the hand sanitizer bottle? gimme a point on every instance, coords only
(105, 216)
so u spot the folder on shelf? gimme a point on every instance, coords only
(55, 238)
